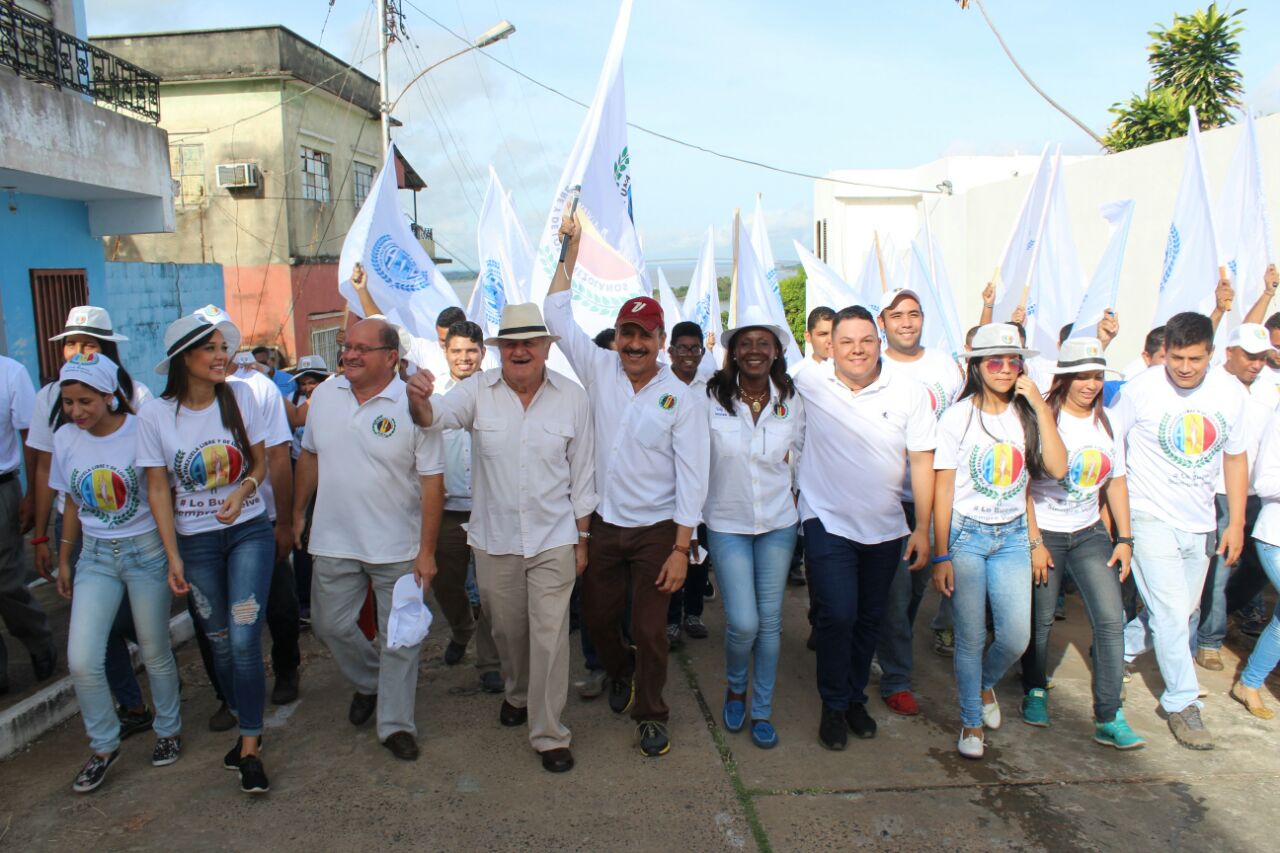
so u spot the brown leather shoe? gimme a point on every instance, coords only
(510, 715)
(402, 746)
(557, 760)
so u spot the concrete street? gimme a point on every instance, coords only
(478, 786)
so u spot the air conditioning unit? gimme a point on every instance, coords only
(234, 176)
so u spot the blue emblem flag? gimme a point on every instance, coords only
(506, 259)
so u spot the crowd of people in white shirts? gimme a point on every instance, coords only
(514, 492)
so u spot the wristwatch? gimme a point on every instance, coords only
(584, 534)
(1124, 540)
(1035, 543)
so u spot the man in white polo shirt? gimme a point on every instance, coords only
(652, 464)
(864, 424)
(379, 488)
(534, 495)
(1181, 425)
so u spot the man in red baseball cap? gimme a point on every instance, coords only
(652, 456)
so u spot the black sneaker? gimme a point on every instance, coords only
(133, 722)
(454, 653)
(285, 691)
(167, 751)
(231, 761)
(860, 722)
(653, 738)
(833, 731)
(622, 694)
(93, 772)
(253, 776)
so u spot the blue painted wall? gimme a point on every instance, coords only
(40, 232)
(145, 298)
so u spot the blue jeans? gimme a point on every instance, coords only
(230, 575)
(1082, 556)
(106, 569)
(1266, 654)
(752, 571)
(992, 564)
(849, 584)
(1213, 601)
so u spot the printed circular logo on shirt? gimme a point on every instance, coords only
(107, 493)
(937, 398)
(212, 464)
(1087, 470)
(1191, 439)
(998, 470)
(780, 411)
(384, 427)
(667, 401)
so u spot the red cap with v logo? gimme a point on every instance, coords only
(644, 311)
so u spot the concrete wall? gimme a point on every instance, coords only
(145, 298)
(37, 232)
(316, 300)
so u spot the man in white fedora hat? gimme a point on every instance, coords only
(533, 493)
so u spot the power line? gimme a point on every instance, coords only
(681, 142)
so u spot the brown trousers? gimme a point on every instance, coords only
(618, 558)
(449, 587)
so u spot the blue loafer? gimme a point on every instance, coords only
(735, 714)
(763, 734)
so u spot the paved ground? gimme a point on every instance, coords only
(478, 786)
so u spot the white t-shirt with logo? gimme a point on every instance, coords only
(1093, 458)
(940, 376)
(104, 479)
(988, 453)
(1174, 441)
(275, 424)
(204, 461)
(1260, 401)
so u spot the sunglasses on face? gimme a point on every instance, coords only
(996, 363)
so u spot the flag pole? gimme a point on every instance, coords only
(880, 261)
(733, 279)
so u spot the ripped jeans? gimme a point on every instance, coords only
(230, 575)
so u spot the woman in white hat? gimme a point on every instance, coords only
(95, 463)
(998, 435)
(1067, 524)
(88, 330)
(756, 421)
(204, 440)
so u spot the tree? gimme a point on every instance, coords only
(1192, 65)
(792, 289)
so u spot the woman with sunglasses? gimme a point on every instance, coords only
(1066, 515)
(997, 436)
(204, 439)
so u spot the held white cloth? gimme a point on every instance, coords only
(749, 490)
(702, 303)
(855, 451)
(1104, 287)
(18, 394)
(506, 259)
(653, 451)
(763, 252)
(532, 474)
(988, 454)
(1094, 458)
(410, 618)
(1019, 252)
(1174, 441)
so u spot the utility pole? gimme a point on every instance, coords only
(384, 105)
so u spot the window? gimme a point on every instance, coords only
(324, 343)
(53, 294)
(315, 175)
(364, 182)
(186, 163)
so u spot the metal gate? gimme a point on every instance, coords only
(53, 294)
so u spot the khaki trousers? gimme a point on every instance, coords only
(527, 600)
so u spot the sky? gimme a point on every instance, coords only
(807, 86)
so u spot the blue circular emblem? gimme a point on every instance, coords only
(396, 266)
(1171, 250)
(495, 295)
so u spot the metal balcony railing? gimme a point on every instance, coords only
(37, 51)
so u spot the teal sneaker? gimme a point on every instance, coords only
(1117, 733)
(1035, 708)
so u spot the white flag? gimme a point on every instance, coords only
(506, 259)
(1015, 265)
(946, 299)
(1104, 287)
(1191, 255)
(764, 255)
(1057, 284)
(823, 287)
(702, 300)
(400, 276)
(670, 310)
(610, 266)
(1243, 224)
(753, 289)
(938, 332)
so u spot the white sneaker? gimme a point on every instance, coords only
(970, 746)
(991, 715)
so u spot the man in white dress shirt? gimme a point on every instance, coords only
(534, 495)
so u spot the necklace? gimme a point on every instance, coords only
(755, 401)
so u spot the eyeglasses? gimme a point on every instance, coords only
(996, 363)
(696, 349)
(360, 349)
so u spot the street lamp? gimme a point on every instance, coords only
(493, 35)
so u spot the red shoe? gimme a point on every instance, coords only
(902, 703)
